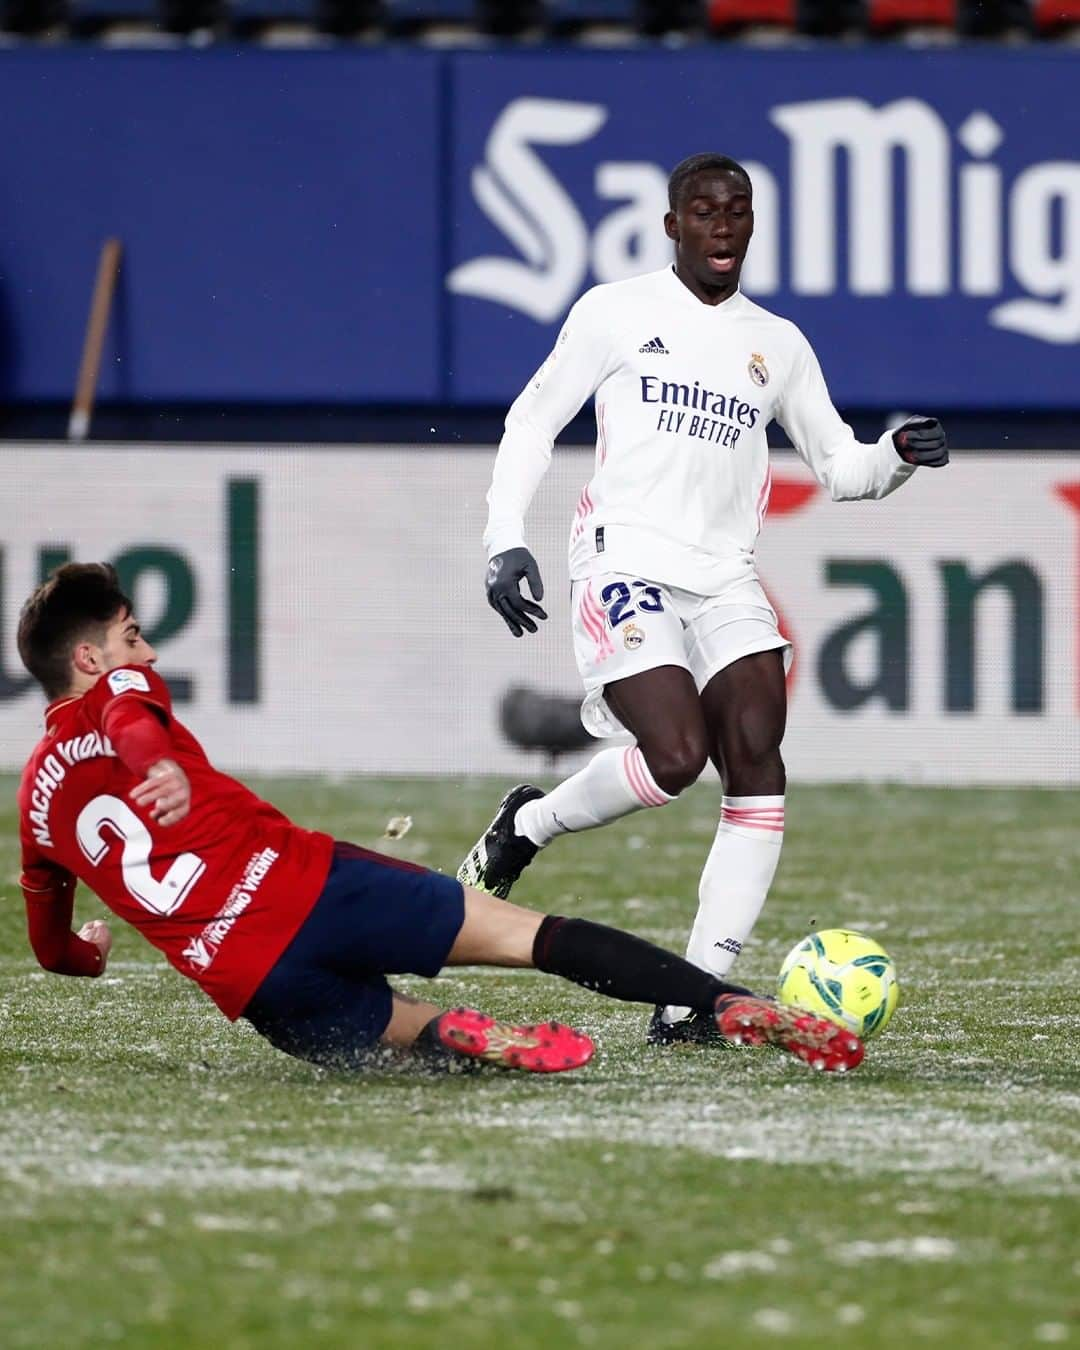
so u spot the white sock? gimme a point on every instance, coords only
(612, 784)
(734, 883)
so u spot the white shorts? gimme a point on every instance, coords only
(624, 625)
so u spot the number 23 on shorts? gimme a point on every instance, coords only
(622, 601)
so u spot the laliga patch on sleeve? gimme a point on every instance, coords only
(120, 681)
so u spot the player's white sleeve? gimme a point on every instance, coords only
(572, 372)
(849, 469)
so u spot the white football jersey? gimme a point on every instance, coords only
(684, 392)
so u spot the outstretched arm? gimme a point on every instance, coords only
(849, 469)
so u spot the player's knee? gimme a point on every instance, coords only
(754, 739)
(677, 764)
(756, 772)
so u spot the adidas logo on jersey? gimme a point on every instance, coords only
(655, 346)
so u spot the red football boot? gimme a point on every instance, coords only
(549, 1047)
(758, 1021)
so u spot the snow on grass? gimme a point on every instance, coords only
(247, 1199)
(919, 1248)
(949, 1147)
(43, 1160)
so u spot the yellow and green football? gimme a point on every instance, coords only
(844, 976)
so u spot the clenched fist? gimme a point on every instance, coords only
(98, 932)
(921, 440)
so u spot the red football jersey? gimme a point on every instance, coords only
(222, 893)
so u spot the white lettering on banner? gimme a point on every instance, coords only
(521, 196)
(527, 202)
(1039, 193)
(869, 136)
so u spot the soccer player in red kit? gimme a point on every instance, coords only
(278, 924)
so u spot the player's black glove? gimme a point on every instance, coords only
(921, 440)
(504, 572)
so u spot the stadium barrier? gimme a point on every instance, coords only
(410, 226)
(321, 610)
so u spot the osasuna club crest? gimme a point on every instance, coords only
(758, 370)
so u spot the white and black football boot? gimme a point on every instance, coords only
(500, 855)
(698, 1029)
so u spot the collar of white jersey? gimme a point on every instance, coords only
(731, 304)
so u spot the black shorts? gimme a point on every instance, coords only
(327, 999)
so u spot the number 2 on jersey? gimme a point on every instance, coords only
(161, 897)
(617, 596)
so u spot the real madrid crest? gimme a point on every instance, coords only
(759, 372)
(632, 637)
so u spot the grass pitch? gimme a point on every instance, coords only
(171, 1181)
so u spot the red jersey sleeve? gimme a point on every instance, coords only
(136, 734)
(125, 685)
(49, 892)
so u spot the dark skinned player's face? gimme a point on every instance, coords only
(711, 227)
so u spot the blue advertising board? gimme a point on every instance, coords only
(917, 214)
(263, 258)
(408, 226)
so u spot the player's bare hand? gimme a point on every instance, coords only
(166, 791)
(98, 932)
(504, 573)
(921, 440)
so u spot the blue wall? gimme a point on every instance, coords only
(410, 226)
(277, 211)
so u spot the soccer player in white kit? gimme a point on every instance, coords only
(675, 639)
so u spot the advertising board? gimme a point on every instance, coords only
(322, 610)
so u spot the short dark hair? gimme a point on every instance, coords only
(689, 168)
(79, 600)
